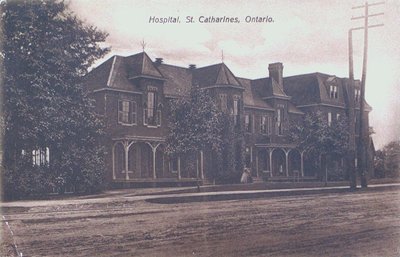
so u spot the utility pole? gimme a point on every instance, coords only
(351, 112)
(363, 130)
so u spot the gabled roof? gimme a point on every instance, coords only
(110, 74)
(115, 72)
(178, 80)
(98, 77)
(251, 96)
(269, 88)
(307, 89)
(296, 86)
(141, 65)
(276, 89)
(217, 74)
(293, 109)
(119, 75)
(313, 88)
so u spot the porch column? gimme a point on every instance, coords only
(179, 167)
(197, 167)
(270, 162)
(154, 149)
(154, 162)
(257, 163)
(202, 165)
(287, 163)
(251, 158)
(127, 145)
(302, 163)
(113, 161)
(126, 149)
(163, 165)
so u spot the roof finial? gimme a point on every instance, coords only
(143, 44)
(222, 56)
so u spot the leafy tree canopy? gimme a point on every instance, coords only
(46, 51)
(390, 159)
(196, 123)
(316, 136)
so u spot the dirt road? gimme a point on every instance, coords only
(342, 224)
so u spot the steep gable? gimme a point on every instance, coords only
(269, 88)
(276, 90)
(98, 77)
(140, 65)
(251, 97)
(217, 74)
(226, 77)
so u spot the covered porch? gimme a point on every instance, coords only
(281, 161)
(143, 160)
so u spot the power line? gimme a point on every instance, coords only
(363, 136)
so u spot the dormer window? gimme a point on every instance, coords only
(333, 91)
(357, 94)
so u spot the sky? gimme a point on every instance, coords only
(305, 35)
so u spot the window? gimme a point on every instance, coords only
(126, 112)
(223, 102)
(269, 125)
(151, 104)
(279, 123)
(329, 118)
(357, 93)
(248, 123)
(174, 164)
(265, 125)
(236, 100)
(337, 116)
(40, 156)
(333, 91)
(152, 112)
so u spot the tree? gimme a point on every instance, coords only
(195, 125)
(387, 160)
(233, 151)
(319, 139)
(379, 164)
(198, 124)
(47, 51)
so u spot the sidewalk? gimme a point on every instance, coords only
(253, 194)
(182, 195)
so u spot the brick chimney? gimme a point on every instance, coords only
(276, 72)
(192, 66)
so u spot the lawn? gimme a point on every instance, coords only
(336, 224)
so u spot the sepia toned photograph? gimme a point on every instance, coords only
(200, 128)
